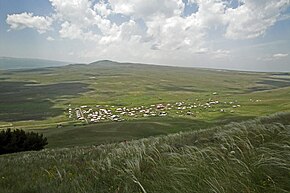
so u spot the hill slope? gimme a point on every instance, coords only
(252, 156)
(40, 99)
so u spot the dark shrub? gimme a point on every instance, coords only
(19, 140)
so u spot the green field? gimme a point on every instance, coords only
(177, 129)
(38, 99)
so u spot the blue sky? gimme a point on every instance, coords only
(232, 34)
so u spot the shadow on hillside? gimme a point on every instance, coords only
(270, 84)
(37, 70)
(174, 88)
(228, 118)
(111, 132)
(30, 101)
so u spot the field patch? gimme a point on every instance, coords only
(269, 84)
(31, 101)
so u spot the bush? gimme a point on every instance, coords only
(19, 140)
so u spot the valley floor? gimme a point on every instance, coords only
(108, 102)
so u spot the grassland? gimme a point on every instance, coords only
(202, 152)
(38, 99)
(251, 156)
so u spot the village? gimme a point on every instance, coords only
(104, 113)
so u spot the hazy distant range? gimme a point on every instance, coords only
(10, 63)
(7, 63)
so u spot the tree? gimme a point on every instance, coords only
(19, 140)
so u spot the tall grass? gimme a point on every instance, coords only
(252, 156)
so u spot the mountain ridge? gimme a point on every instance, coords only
(11, 63)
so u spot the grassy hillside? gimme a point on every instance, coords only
(251, 156)
(39, 99)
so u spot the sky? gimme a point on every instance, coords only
(228, 34)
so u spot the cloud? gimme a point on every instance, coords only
(280, 55)
(253, 18)
(78, 12)
(211, 14)
(49, 38)
(71, 31)
(165, 26)
(27, 20)
(275, 57)
(82, 20)
(221, 53)
(175, 33)
(102, 8)
(147, 8)
(153, 29)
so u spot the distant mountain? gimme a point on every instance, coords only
(105, 63)
(110, 63)
(27, 63)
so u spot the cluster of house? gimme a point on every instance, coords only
(101, 113)
(104, 113)
(70, 112)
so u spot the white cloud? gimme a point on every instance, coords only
(147, 8)
(81, 20)
(76, 11)
(221, 53)
(253, 18)
(175, 32)
(274, 57)
(166, 29)
(102, 8)
(49, 38)
(150, 30)
(165, 26)
(27, 20)
(211, 14)
(72, 31)
(280, 55)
